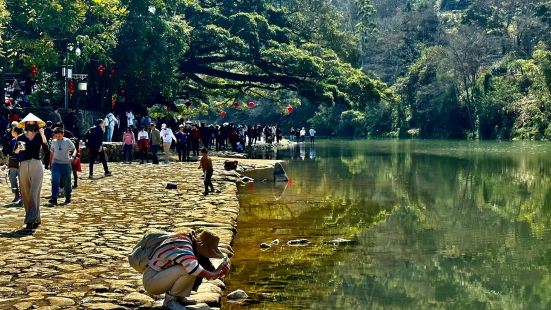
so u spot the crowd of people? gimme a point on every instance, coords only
(23, 144)
(187, 137)
(25, 139)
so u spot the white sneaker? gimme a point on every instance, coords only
(172, 303)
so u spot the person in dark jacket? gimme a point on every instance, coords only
(94, 143)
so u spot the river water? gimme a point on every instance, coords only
(433, 224)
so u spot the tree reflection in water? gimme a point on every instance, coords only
(437, 224)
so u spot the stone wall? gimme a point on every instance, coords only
(113, 151)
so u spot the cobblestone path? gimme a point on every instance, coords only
(77, 258)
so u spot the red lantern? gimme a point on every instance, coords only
(223, 114)
(101, 70)
(236, 104)
(71, 87)
(290, 109)
(34, 71)
(251, 104)
(112, 71)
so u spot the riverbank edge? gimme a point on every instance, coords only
(220, 205)
(235, 177)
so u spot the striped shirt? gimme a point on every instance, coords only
(176, 250)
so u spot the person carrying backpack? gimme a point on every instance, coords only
(177, 263)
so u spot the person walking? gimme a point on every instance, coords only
(143, 144)
(208, 170)
(31, 172)
(195, 139)
(13, 165)
(109, 124)
(94, 143)
(312, 133)
(181, 146)
(131, 120)
(129, 142)
(155, 142)
(302, 134)
(55, 117)
(62, 150)
(167, 136)
(76, 166)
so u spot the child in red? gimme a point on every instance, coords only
(75, 164)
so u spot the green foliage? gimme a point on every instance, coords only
(463, 69)
(429, 97)
(517, 100)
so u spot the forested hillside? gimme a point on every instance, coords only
(460, 68)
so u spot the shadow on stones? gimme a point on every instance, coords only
(16, 233)
(13, 205)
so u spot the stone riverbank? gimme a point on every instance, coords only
(77, 258)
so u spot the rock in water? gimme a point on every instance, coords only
(298, 242)
(340, 241)
(265, 246)
(279, 173)
(237, 294)
(275, 242)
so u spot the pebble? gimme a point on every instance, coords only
(140, 299)
(237, 294)
(298, 242)
(275, 242)
(199, 306)
(60, 301)
(340, 241)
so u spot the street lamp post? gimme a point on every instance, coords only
(67, 70)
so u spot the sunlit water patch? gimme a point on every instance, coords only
(432, 224)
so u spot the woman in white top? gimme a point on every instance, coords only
(143, 143)
(167, 136)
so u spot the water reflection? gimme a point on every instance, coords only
(437, 225)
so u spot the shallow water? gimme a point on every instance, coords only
(434, 224)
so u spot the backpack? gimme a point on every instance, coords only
(143, 251)
(87, 137)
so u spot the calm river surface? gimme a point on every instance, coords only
(435, 224)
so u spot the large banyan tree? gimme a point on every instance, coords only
(212, 52)
(220, 51)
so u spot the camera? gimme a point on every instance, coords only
(21, 145)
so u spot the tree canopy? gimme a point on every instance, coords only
(454, 69)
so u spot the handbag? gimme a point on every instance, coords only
(13, 162)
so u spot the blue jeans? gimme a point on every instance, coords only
(128, 148)
(61, 173)
(109, 132)
(154, 150)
